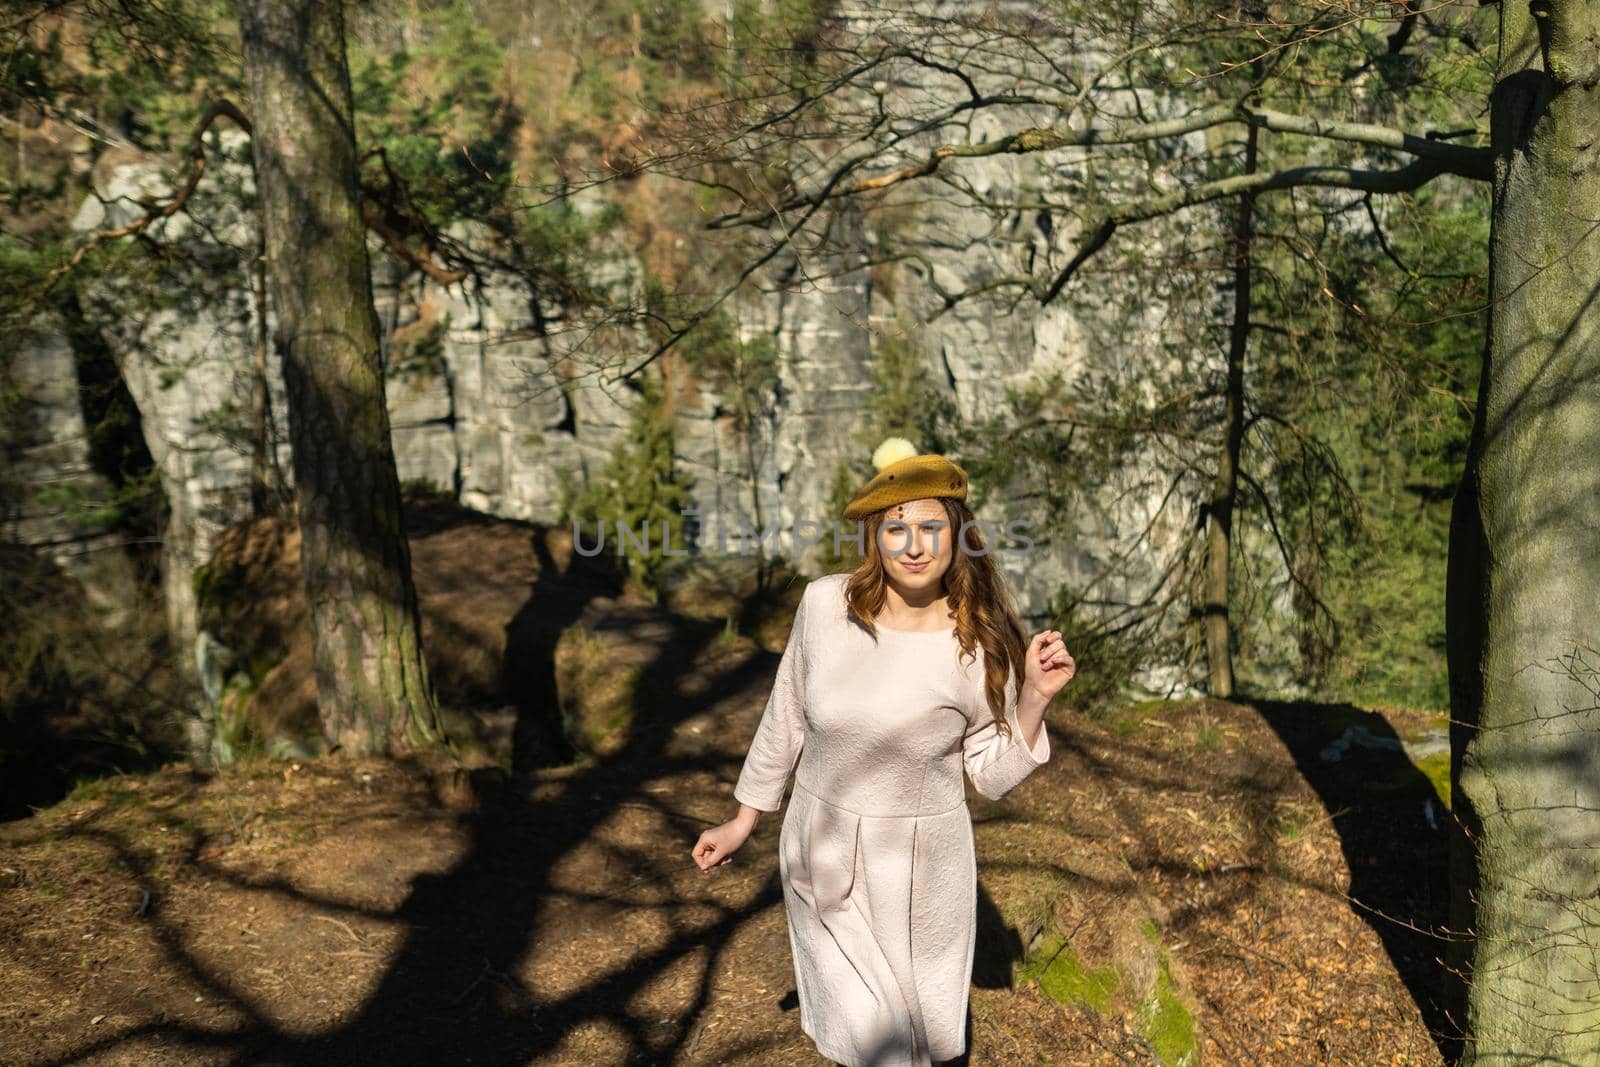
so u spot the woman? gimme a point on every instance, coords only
(895, 678)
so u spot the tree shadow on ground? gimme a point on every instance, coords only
(452, 993)
(1377, 801)
(454, 990)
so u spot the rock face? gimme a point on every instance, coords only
(187, 360)
(49, 452)
(490, 406)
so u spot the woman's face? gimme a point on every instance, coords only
(917, 544)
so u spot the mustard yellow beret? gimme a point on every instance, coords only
(904, 475)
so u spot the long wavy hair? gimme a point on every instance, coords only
(979, 601)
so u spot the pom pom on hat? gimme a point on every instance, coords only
(892, 450)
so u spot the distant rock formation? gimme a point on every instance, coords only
(489, 403)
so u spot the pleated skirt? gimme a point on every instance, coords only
(882, 917)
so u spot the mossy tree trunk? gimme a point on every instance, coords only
(1524, 575)
(373, 689)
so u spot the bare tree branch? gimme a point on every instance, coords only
(1466, 161)
(1403, 179)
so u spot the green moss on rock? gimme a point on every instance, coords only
(1437, 769)
(1157, 1011)
(1065, 978)
(1168, 1025)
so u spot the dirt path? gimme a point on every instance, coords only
(347, 912)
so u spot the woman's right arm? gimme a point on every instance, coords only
(771, 756)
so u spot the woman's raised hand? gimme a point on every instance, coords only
(1049, 665)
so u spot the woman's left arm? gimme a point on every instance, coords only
(1049, 667)
(996, 763)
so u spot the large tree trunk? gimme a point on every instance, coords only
(1225, 488)
(373, 690)
(1524, 575)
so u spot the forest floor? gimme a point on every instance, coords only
(336, 911)
(332, 910)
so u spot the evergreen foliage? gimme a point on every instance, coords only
(840, 491)
(1412, 360)
(745, 372)
(640, 490)
(440, 115)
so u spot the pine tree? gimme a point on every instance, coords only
(640, 491)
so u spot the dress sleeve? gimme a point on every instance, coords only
(781, 733)
(998, 764)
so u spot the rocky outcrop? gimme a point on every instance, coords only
(490, 404)
(60, 496)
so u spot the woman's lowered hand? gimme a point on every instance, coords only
(718, 844)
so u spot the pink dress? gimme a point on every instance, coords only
(876, 851)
